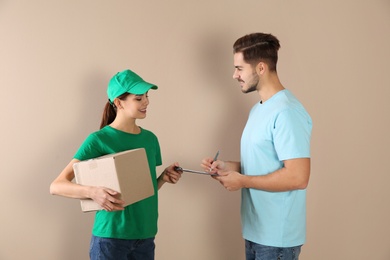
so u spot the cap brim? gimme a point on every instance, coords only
(141, 88)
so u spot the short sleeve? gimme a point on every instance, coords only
(89, 149)
(158, 154)
(292, 133)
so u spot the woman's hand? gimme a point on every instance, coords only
(107, 198)
(170, 175)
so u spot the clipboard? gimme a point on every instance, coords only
(193, 171)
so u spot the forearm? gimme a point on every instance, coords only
(63, 185)
(294, 176)
(70, 190)
(274, 182)
(160, 181)
(232, 166)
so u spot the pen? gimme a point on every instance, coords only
(215, 158)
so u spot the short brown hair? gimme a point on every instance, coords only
(258, 47)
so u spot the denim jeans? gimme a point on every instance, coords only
(255, 251)
(121, 249)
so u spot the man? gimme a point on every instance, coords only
(275, 156)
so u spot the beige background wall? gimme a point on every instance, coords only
(56, 58)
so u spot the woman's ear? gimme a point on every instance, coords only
(117, 103)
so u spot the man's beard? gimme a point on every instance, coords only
(253, 85)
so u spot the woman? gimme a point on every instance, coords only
(120, 232)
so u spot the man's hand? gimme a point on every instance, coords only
(211, 166)
(231, 180)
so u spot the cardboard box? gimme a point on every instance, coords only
(126, 172)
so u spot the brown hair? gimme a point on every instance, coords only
(258, 47)
(109, 112)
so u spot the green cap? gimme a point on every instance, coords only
(127, 81)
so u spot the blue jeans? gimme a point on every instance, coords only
(121, 249)
(255, 251)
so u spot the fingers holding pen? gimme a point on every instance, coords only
(206, 163)
(217, 166)
(211, 164)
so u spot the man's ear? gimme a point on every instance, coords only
(261, 68)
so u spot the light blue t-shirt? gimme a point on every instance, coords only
(279, 129)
